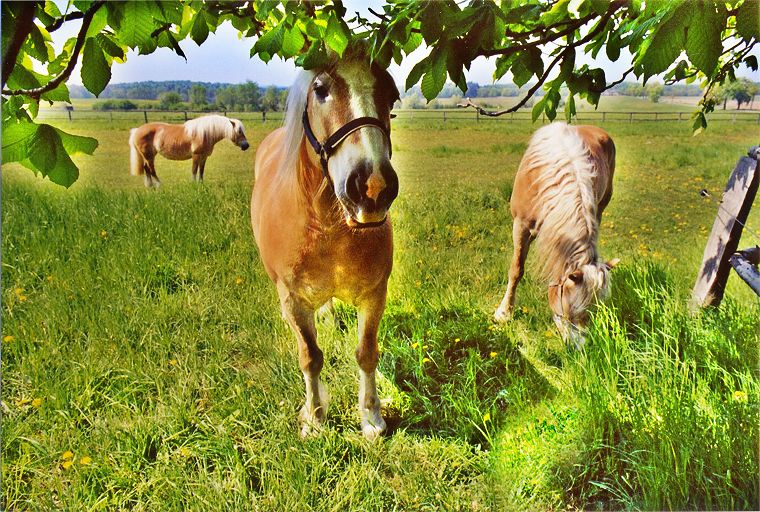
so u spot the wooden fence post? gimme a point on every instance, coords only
(727, 230)
(630, 117)
(185, 112)
(145, 115)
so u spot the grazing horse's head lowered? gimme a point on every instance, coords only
(346, 120)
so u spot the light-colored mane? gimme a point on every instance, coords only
(211, 128)
(568, 226)
(294, 132)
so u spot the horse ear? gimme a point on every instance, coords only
(232, 123)
(612, 263)
(576, 276)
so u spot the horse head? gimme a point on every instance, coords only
(571, 298)
(347, 122)
(237, 134)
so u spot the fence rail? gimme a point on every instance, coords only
(144, 116)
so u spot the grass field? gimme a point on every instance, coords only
(146, 367)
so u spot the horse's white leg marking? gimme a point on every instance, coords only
(314, 410)
(521, 238)
(373, 423)
(326, 310)
(367, 356)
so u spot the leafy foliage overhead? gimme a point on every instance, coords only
(534, 40)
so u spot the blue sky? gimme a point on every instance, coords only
(224, 57)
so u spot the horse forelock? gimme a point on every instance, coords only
(565, 189)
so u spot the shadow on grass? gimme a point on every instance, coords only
(455, 373)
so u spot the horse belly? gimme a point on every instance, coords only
(172, 146)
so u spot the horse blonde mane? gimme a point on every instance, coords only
(568, 226)
(294, 132)
(211, 128)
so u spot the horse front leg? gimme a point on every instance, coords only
(196, 162)
(202, 166)
(300, 317)
(521, 238)
(367, 355)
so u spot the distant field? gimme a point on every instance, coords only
(146, 366)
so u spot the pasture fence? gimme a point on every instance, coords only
(429, 115)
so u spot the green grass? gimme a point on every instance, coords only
(141, 332)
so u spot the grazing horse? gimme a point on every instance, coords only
(561, 189)
(195, 139)
(319, 211)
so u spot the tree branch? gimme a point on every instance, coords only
(588, 37)
(55, 82)
(617, 82)
(24, 22)
(58, 22)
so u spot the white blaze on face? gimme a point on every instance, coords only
(372, 144)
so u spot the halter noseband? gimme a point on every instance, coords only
(326, 149)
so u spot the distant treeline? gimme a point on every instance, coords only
(184, 94)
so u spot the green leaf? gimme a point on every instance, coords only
(416, 73)
(431, 24)
(60, 93)
(109, 46)
(336, 36)
(199, 31)
(269, 43)
(316, 57)
(538, 108)
(293, 42)
(570, 108)
(700, 122)
(413, 42)
(136, 24)
(16, 139)
(96, 73)
(435, 78)
(74, 144)
(747, 24)
(703, 44)
(42, 148)
(666, 43)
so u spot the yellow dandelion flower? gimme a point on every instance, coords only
(457, 340)
(424, 347)
(425, 360)
(524, 310)
(173, 362)
(19, 291)
(23, 401)
(491, 327)
(487, 417)
(50, 279)
(67, 455)
(493, 354)
(84, 461)
(7, 338)
(185, 451)
(740, 396)
(37, 402)
(548, 333)
(67, 464)
(239, 280)
(103, 234)
(415, 344)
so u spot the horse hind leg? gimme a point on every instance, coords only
(202, 168)
(367, 355)
(151, 173)
(521, 238)
(301, 320)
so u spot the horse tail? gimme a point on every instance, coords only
(136, 160)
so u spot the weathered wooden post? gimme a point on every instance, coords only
(745, 263)
(145, 115)
(727, 229)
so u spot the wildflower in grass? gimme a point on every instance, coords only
(548, 333)
(184, 451)
(491, 327)
(457, 340)
(7, 338)
(23, 401)
(67, 464)
(173, 362)
(67, 455)
(103, 234)
(50, 279)
(425, 360)
(424, 347)
(415, 344)
(36, 403)
(493, 354)
(86, 460)
(524, 310)
(487, 417)
(740, 396)
(238, 280)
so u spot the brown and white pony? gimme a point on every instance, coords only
(561, 189)
(195, 139)
(319, 211)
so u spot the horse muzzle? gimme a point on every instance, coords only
(368, 193)
(244, 145)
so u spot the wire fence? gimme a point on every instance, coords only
(431, 115)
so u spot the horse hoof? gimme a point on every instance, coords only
(373, 430)
(502, 315)
(310, 429)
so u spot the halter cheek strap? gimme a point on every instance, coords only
(326, 149)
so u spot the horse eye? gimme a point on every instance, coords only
(320, 90)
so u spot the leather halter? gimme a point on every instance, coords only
(326, 149)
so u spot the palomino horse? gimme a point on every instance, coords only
(561, 189)
(320, 216)
(195, 139)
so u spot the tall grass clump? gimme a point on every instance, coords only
(670, 399)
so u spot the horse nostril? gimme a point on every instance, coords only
(353, 187)
(389, 193)
(244, 145)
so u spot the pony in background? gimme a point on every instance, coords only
(561, 189)
(319, 212)
(195, 139)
